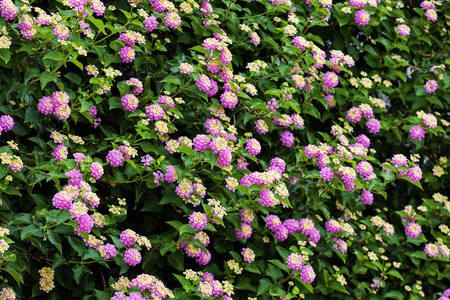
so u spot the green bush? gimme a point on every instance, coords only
(223, 150)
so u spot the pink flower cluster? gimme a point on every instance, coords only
(56, 104)
(6, 123)
(198, 220)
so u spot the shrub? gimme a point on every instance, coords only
(260, 149)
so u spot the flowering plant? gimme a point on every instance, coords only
(266, 149)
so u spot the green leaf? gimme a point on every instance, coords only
(393, 295)
(274, 273)
(58, 261)
(3, 170)
(18, 276)
(46, 77)
(74, 78)
(172, 79)
(339, 287)
(53, 237)
(5, 54)
(32, 115)
(308, 286)
(147, 147)
(77, 63)
(78, 272)
(100, 295)
(176, 260)
(98, 23)
(54, 55)
(395, 274)
(77, 245)
(264, 285)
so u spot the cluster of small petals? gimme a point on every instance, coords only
(151, 23)
(312, 151)
(198, 220)
(307, 274)
(130, 102)
(229, 99)
(60, 153)
(292, 225)
(366, 197)
(62, 200)
(367, 110)
(403, 30)
(267, 198)
(362, 17)
(154, 112)
(45, 105)
(278, 163)
(202, 237)
(340, 244)
(284, 120)
(431, 250)
(300, 42)
(186, 68)
(171, 174)
(330, 79)
(172, 20)
(364, 169)
(96, 170)
(246, 231)
(354, 114)
(326, 173)
(61, 31)
(115, 158)
(201, 142)
(6, 123)
(431, 15)
(97, 7)
(273, 222)
(333, 226)
(413, 230)
(8, 10)
(253, 146)
(417, 132)
(357, 3)
(298, 120)
(246, 216)
(287, 138)
(307, 226)
(299, 81)
(203, 83)
(248, 254)
(399, 160)
(261, 126)
(295, 262)
(127, 54)
(184, 189)
(415, 173)
(107, 251)
(373, 125)
(132, 257)
(364, 140)
(282, 233)
(210, 44)
(78, 208)
(85, 223)
(75, 177)
(431, 86)
(128, 237)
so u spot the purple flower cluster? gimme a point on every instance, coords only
(56, 104)
(6, 123)
(198, 220)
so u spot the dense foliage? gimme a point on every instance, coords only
(223, 149)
